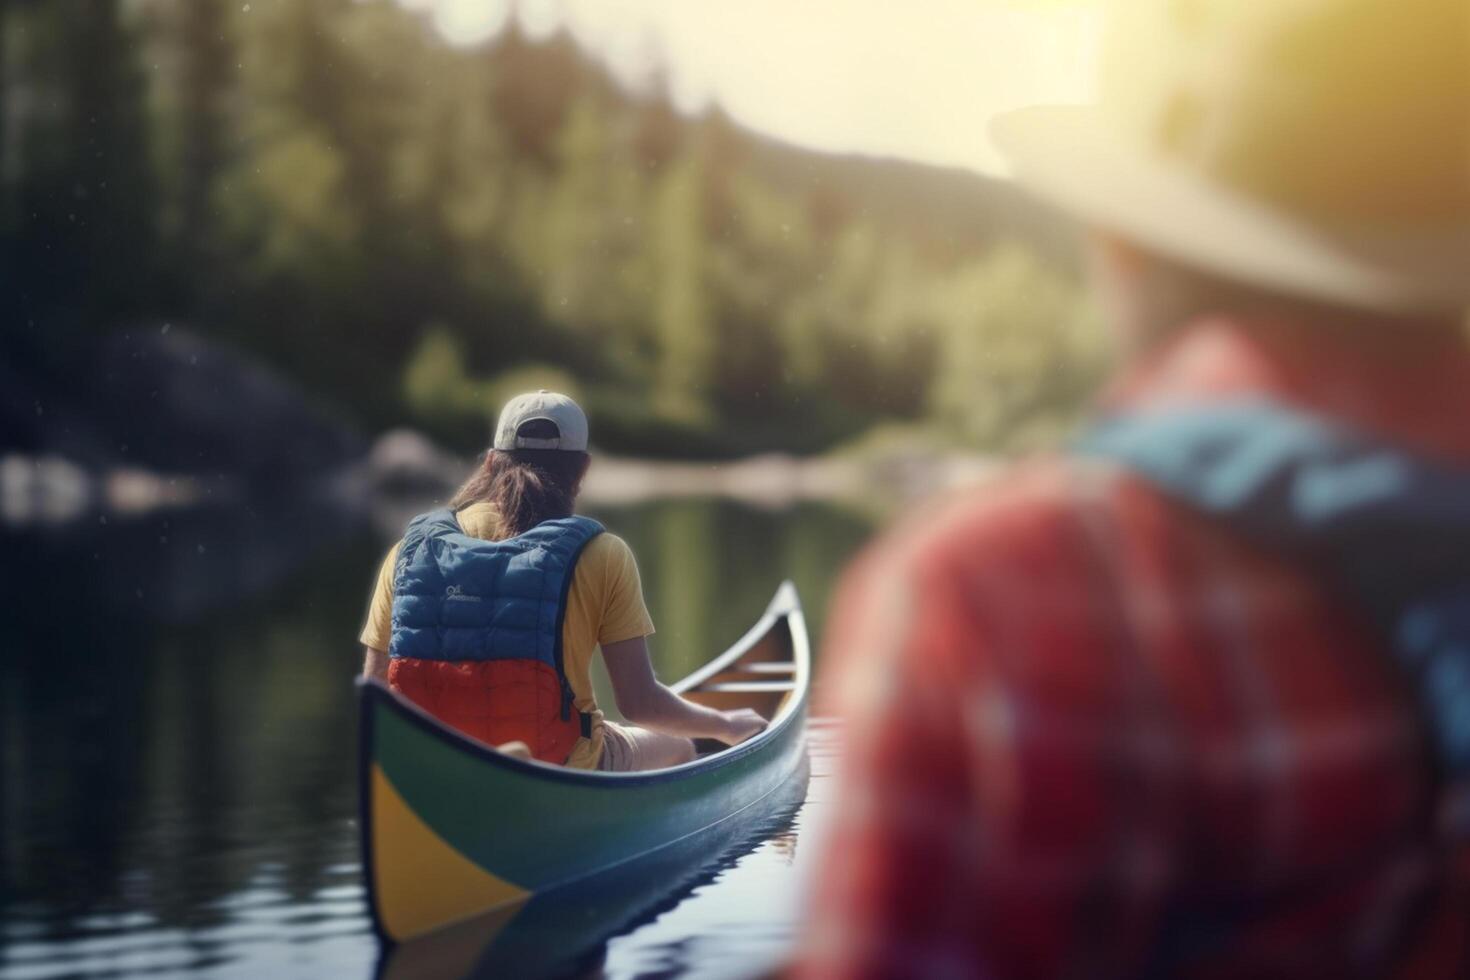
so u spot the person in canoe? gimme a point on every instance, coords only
(488, 612)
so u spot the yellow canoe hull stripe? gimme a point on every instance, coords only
(422, 882)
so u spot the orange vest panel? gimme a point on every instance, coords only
(494, 701)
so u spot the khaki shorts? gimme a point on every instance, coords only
(627, 748)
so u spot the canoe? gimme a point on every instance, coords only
(455, 832)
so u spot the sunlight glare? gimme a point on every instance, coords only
(470, 21)
(539, 18)
(919, 80)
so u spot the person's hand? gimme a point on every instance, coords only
(516, 750)
(741, 724)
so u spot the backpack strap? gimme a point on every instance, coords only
(1384, 527)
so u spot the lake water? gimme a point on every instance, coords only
(177, 721)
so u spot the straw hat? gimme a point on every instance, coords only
(1318, 147)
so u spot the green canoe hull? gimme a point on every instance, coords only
(563, 932)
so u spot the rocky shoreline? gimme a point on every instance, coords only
(157, 420)
(403, 469)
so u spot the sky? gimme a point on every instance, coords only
(917, 79)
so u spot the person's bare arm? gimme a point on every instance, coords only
(375, 664)
(644, 701)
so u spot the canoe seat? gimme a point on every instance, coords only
(769, 668)
(751, 687)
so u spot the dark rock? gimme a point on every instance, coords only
(170, 402)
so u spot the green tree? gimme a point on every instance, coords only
(207, 49)
(84, 196)
(686, 350)
(1021, 353)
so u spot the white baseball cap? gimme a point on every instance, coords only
(546, 406)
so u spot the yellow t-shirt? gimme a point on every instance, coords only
(605, 605)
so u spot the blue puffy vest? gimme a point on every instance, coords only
(462, 598)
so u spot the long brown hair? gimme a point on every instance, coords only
(527, 486)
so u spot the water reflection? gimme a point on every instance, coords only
(739, 922)
(176, 786)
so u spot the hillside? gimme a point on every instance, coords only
(410, 231)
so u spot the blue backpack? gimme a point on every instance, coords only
(1389, 530)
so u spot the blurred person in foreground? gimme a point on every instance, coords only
(488, 612)
(1194, 698)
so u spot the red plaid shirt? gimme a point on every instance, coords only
(1092, 734)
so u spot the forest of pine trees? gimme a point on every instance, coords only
(411, 231)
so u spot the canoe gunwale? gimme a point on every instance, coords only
(785, 606)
